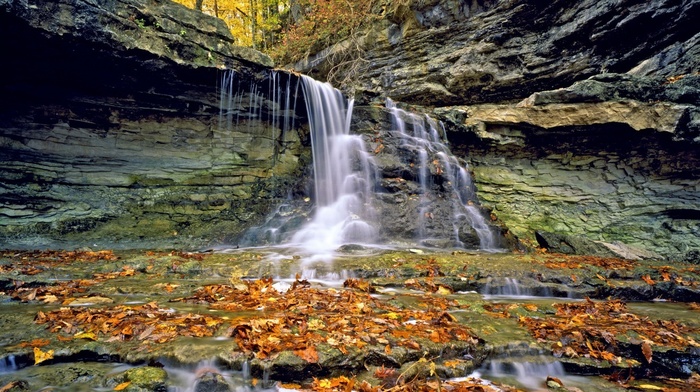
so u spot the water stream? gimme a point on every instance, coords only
(420, 134)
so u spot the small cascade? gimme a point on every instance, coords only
(508, 287)
(511, 287)
(343, 174)
(420, 136)
(8, 364)
(241, 102)
(529, 375)
(205, 376)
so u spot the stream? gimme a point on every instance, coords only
(465, 284)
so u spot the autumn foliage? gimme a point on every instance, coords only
(597, 329)
(288, 30)
(304, 317)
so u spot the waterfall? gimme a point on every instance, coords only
(530, 375)
(343, 174)
(424, 141)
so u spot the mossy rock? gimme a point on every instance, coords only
(141, 379)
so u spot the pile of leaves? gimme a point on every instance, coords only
(344, 384)
(63, 291)
(595, 329)
(303, 317)
(559, 261)
(146, 322)
(34, 262)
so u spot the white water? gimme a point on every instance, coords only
(529, 375)
(424, 141)
(343, 175)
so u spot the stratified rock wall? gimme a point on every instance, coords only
(447, 52)
(580, 118)
(110, 128)
(600, 159)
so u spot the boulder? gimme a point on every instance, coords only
(571, 245)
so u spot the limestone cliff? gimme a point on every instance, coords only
(578, 118)
(110, 128)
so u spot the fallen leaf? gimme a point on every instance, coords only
(85, 335)
(646, 350)
(10, 386)
(122, 386)
(41, 356)
(308, 354)
(648, 280)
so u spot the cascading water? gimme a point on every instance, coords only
(424, 141)
(343, 174)
(530, 375)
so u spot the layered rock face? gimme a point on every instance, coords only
(111, 131)
(579, 119)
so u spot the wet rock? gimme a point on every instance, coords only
(573, 245)
(87, 301)
(141, 379)
(211, 382)
(692, 257)
(352, 248)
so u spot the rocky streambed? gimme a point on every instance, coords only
(370, 320)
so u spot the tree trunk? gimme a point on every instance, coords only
(198, 4)
(254, 21)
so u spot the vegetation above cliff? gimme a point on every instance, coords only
(288, 30)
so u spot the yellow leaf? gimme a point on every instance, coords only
(649, 386)
(122, 386)
(444, 290)
(41, 356)
(309, 354)
(325, 383)
(316, 324)
(85, 335)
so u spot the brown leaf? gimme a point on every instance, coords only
(646, 350)
(10, 386)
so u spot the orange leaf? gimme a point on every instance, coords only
(648, 280)
(122, 386)
(309, 354)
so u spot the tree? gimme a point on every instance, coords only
(287, 29)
